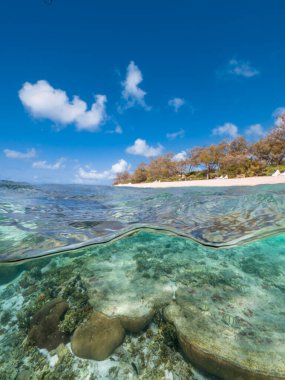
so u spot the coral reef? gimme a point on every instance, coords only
(98, 337)
(44, 327)
(136, 324)
(128, 308)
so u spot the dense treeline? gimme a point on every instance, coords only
(228, 158)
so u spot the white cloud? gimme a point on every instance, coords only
(141, 148)
(132, 93)
(31, 153)
(174, 135)
(241, 68)
(91, 120)
(92, 175)
(255, 130)
(277, 113)
(44, 101)
(226, 129)
(180, 156)
(45, 165)
(118, 130)
(176, 103)
(120, 166)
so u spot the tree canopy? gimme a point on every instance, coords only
(231, 158)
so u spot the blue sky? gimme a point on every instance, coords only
(89, 88)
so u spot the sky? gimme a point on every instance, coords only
(90, 88)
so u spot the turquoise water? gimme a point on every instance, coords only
(150, 303)
(34, 219)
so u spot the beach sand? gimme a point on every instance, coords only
(251, 181)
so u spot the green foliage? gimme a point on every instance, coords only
(269, 170)
(196, 175)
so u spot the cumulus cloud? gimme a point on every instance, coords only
(45, 102)
(228, 129)
(241, 68)
(174, 135)
(92, 175)
(45, 165)
(277, 115)
(180, 156)
(255, 130)
(31, 153)
(132, 93)
(120, 167)
(141, 148)
(176, 103)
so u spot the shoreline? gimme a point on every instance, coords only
(249, 181)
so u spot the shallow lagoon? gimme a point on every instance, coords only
(151, 303)
(222, 309)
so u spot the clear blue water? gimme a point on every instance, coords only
(190, 281)
(34, 219)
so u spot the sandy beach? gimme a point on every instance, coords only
(251, 181)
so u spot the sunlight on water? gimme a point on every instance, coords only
(36, 219)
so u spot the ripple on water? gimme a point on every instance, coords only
(60, 215)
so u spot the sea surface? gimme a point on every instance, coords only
(101, 282)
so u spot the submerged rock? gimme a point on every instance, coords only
(98, 337)
(136, 324)
(24, 374)
(44, 331)
(216, 354)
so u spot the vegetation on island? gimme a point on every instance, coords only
(235, 158)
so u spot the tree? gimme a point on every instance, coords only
(140, 174)
(236, 158)
(233, 158)
(261, 151)
(276, 140)
(182, 166)
(163, 167)
(208, 157)
(238, 146)
(271, 148)
(124, 177)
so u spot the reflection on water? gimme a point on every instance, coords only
(35, 219)
(148, 306)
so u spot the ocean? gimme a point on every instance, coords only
(101, 282)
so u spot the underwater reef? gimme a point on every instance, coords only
(151, 305)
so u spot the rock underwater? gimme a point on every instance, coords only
(98, 337)
(44, 331)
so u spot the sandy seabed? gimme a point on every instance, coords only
(251, 181)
